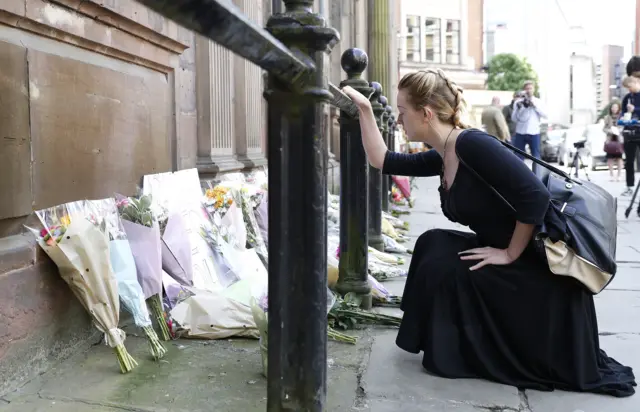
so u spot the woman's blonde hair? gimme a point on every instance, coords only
(433, 88)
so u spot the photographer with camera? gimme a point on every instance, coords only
(527, 115)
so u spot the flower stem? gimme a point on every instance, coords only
(155, 346)
(376, 318)
(158, 312)
(341, 337)
(126, 361)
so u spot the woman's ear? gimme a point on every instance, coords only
(428, 114)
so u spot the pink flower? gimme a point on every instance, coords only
(122, 202)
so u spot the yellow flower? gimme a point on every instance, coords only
(65, 220)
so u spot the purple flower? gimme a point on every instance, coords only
(264, 303)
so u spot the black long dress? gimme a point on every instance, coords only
(515, 324)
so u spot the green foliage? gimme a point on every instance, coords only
(139, 211)
(508, 72)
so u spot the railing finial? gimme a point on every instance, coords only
(298, 6)
(354, 62)
(377, 91)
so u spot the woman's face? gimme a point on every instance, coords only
(615, 108)
(414, 122)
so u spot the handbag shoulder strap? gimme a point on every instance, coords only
(493, 189)
(541, 162)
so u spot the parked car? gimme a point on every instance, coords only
(550, 145)
(596, 138)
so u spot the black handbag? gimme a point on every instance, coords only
(578, 236)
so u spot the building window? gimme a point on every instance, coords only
(413, 39)
(452, 36)
(432, 39)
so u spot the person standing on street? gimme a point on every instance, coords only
(494, 122)
(631, 133)
(527, 115)
(611, 120)
(506, 112)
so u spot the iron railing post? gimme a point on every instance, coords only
(297, 360)
(384, 182)
(375, 179)
(354, 188)
(391, 145)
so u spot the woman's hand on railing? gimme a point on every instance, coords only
(358, 98)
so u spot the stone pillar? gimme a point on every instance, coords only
(375, 180)
(379, 42)
(384, 120)
(297, 361)
(354, 173)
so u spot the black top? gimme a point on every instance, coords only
(469, 201)
(634, 99)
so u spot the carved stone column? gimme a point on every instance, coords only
(216, 117)
(250, 106)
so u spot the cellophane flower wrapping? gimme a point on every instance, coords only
(176, 256)
(143, 231)
(176, 250)
(233, 189)
(80, 248)
(124, 268)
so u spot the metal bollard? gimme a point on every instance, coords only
(375, 179)
(354, 188)
(297, 361)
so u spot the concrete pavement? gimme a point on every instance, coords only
(373, 375)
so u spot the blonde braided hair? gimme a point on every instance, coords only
(432, 87)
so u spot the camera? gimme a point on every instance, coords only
(580, 145)
(526, 100)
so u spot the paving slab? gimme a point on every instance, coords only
(623, 348)
(394, 376)
(618, 311)
(433, 405)
(221, 376)
(627, 278)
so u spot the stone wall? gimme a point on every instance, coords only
(93, 95)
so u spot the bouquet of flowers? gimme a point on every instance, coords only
(385, 257)
(143, 233)
(382, 271)
(225, 214)
(81, 251)
(381, 296)
(176, 248)
(104, 213)
(260, 311)
(396, 222)
(393, 246)
(247, 198)
(346, 314)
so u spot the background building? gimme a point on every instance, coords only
(613, 71)
(539, 31)
(449, 36)
(582, 78)
(599, 87)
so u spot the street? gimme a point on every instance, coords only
(373, 375)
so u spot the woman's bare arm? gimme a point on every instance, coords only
(372, 140)
(520, 239)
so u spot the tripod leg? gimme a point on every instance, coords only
(585, 169)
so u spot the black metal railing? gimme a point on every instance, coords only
(292, 50)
